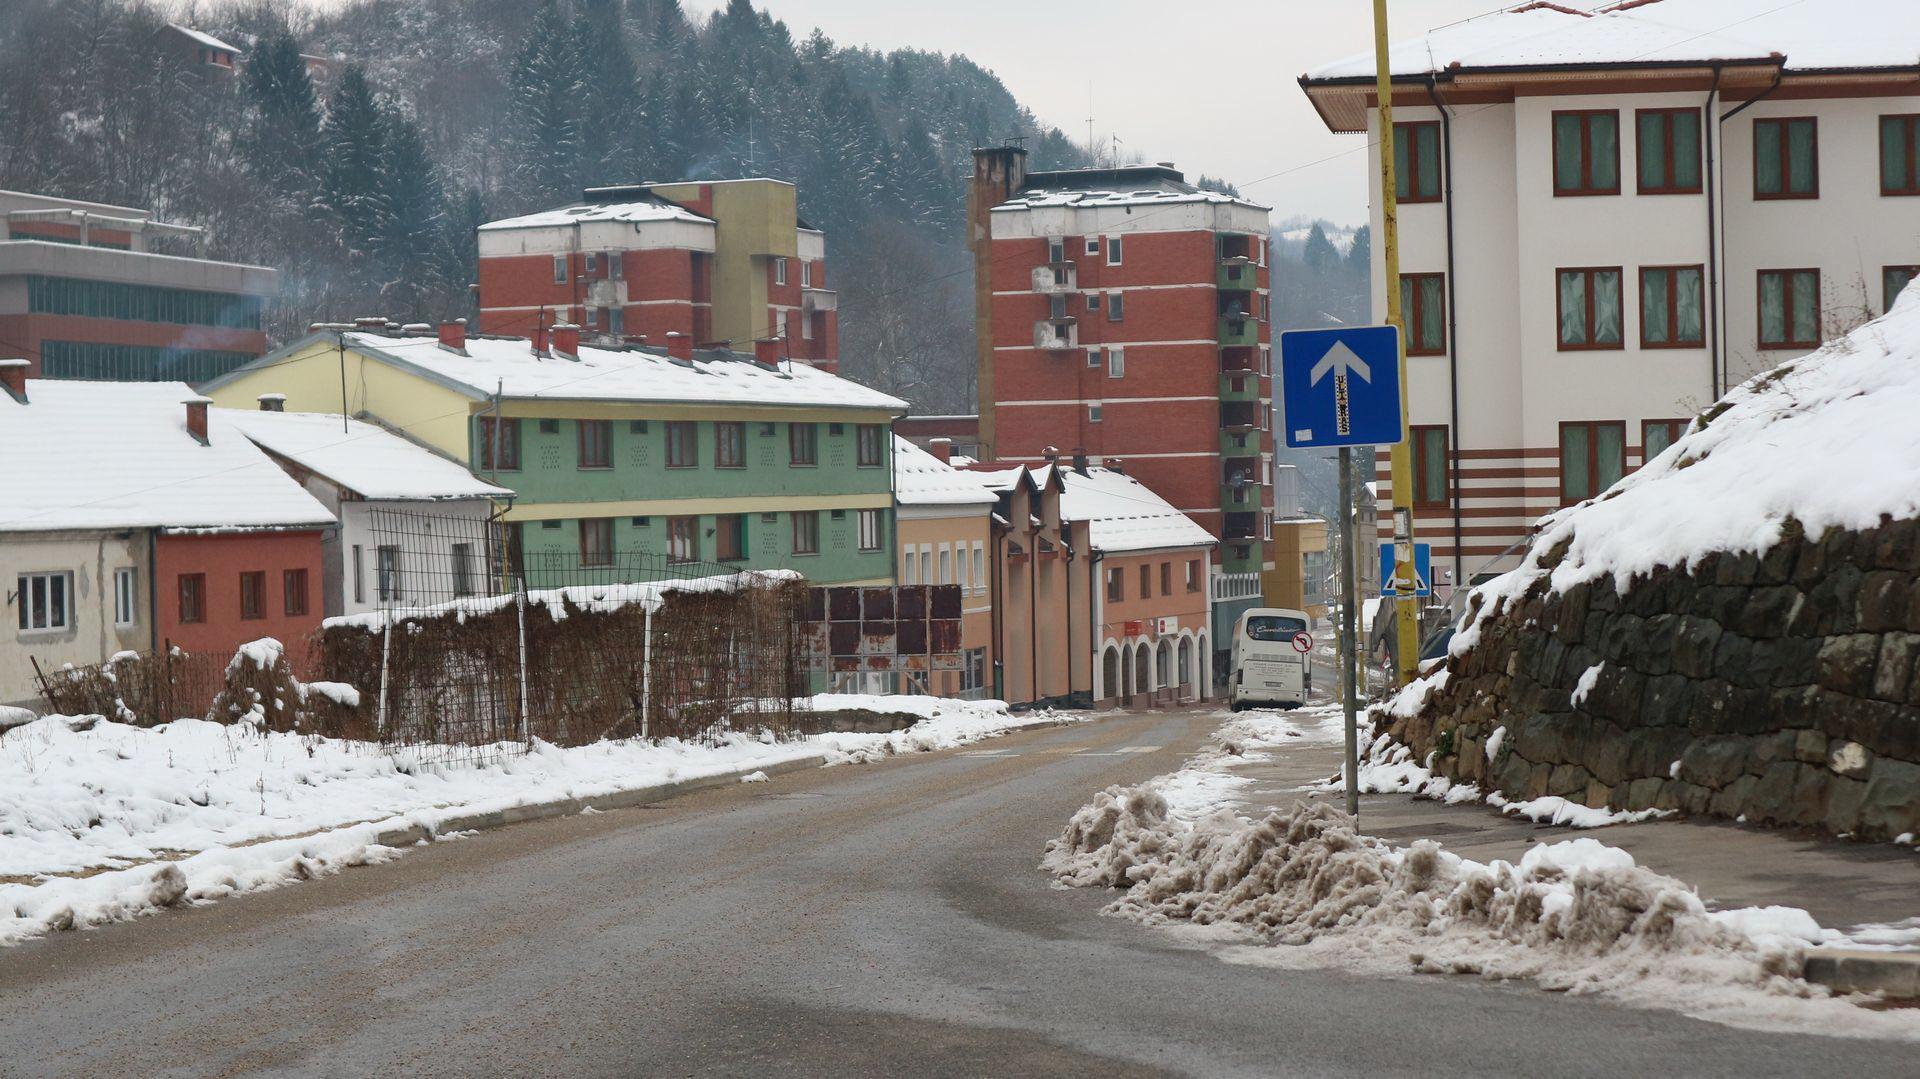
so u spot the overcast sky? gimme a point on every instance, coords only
(1207, 84)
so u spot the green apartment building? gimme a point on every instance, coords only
(628, 461)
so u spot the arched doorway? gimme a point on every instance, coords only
(1143, 669)
(1163, 664)
(1186, 667)
(1110, 672)
(1126, 672)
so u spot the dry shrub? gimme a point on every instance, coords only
(144, 689)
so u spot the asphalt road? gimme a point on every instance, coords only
(876, 920)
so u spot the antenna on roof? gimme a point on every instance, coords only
(1017, 139)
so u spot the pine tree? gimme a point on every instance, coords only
(547, 87)
(610, 108)
(411, 215)
(1360, 254)
(281, 141)
(1320, 252)
(353, 141)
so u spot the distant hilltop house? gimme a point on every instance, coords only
(94, 291)
(1608, 217)
(199, 47)
(626, 462)
(725, 262)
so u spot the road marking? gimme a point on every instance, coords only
(989, 753)
(1140, 749)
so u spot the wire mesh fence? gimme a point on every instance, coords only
(139, 688)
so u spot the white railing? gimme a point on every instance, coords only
(1228, 586)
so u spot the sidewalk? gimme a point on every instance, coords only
(1845, 886)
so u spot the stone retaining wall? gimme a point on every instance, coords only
(1779, 687)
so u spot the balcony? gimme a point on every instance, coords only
(1239, 331)
(1238, 497)
(1236, 585)
(1056, 334)
(819, 299)
(1237, 274)
(1239, 359)
(1055, 277)
(1243, 386)
(1239, 415)
(1241, 528)
(1235, 443)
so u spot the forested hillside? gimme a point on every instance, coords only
(434, 115)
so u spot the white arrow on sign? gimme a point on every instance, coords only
(1339, 360)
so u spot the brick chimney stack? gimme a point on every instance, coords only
(453, 336)
(566, 340)
(13, 376)
(767, 350)
(680, 346)
(273, 402)
(197, 417)
(941, 448)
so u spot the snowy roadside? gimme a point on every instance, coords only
(101, 821)
(1301, 888)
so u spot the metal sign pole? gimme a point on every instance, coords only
(1349, 599)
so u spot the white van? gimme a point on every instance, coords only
(1269, 662)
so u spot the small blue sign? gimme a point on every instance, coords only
(1422, 569)
(1341, 387)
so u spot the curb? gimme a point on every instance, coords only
(407, 835)
(1850, 970)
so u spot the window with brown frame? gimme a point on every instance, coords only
(683, 539)
(1593, 457)
(1430, 466)
(596, 443)
(1900, 155)
(253, 595)
(596, 541)
(1667, 151)
(1789, 308)
(1116, 585)
(1423, 310)
(193, 598)
(1657, 435)
(730, 445)
(806, 532)
(1586, 152)
(1146, 582)
(1672, 307)
(803, 445)
(1166, 578)
(731, 536)
(508, 440)
(1893, 281)
(293, 591)
(1786, 158)
(683, 444)
(1589, 309)
(1193, 575)
(1416, 161)
(870, 440)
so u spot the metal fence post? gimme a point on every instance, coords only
(386, 655)
(520, 606)
(646, 671)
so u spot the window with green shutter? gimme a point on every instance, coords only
(1416, 161)
(1672, 307)
(1900, 155)
(1894, 279)
(1593, 457)
(1786, 158)
(1430, 466)
(1657, 435)
(1589, 309)
(1586, 152)
(1423, 306)
(1667, 149)
(1789, 308)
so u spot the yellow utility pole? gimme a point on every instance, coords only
(1406, 605)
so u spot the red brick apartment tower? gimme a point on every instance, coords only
(1121, 313)
(726, 262)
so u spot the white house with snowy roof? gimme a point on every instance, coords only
(1609, 216)
(132, 517)
(416, 527)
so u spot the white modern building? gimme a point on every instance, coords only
(415, 526)
(1609, 217)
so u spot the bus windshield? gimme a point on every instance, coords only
(1273, 628)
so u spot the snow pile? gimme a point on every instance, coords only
(191, 811)
(1768, 453)
(1576, 916)
(1388, 767)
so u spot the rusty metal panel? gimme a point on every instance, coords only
(843, 604)
(877, 637)
(948, 663)
(877, 604)
(945, 636)
(913, 638)
(843, 638)
(946, 601)
(816, 604)
(913, 601)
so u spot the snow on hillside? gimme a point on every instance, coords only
(1826, 440)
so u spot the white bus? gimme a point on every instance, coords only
(1269, 664)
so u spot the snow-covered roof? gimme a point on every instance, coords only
(1130, 185)
(371, 461)
(651, 208)
(634, 375)
(1827, 440)
(921, 479)
(1812, 35)
(1124, 515)
(203, 38)
(85, 455)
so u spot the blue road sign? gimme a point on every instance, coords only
(1341, 387)
(1422, 569)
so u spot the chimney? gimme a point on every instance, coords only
(13, 376)
(1080, 463)
(634, 339)
(197, 417)
(370, 322)
(766, 351)
(539, 340)
(453, 336)
(273, 402)
(941, 448)
(1052, 454)
(680, 346)
(566, 340)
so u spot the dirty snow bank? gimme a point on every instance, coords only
(944, 724)
(1575, 916)
(193, 811)
(1388, 767)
